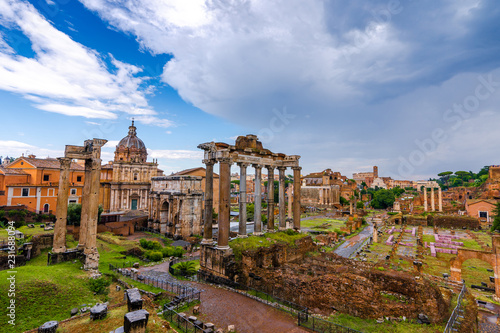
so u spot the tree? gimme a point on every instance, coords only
(445, 176)
(496, 220)
(382, 199)
(343, 201)
(75, 213)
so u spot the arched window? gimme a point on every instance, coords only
(46, 208)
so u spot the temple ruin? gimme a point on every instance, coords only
(90, 152)
(247, 151)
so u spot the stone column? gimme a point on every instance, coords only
(242, 230)
(85, 205)
(224, 203)
(59, 244)
(425, 198)
(296, 198)
(282, 225)
(270, 199)
(440, 199)
(290, 200)
(433, 205)
(257, 227)
(209, 202)
(91, 253)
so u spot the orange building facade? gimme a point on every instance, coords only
(34, 182)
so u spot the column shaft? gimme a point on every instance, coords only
(59, 244)
(296, 198)
(209, 201)
(257, 228)
(91, 241)
(433, 205)
(85, 205)
(282, 225)
(270, 199)
(224, 203)
(440, 198)
(425, 198)
(242, 230)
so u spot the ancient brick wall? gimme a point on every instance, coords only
(457, 222)
(329, 282)
(41, 242)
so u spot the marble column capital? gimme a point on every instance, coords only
(257, 166)
(243, 165)
(209, 162)
(225, 160)
(64, 162)
(281, 168)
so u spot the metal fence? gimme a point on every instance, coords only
(161, 283)
(321, 325)
(182, 322)
(456, 312)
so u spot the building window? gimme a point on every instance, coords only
(483, 215)
(46, 208)
(26, 192)
(72, 201)
(78, 178)
(46, 178)
(50, 192)
(135, 176)
(73, 191)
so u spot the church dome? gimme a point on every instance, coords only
(131, 148)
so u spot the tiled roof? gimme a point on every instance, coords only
(49, 163)
(188, 171)
(7, 171)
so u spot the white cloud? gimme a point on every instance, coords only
(66, 77)
(176, 154)
(16, 148)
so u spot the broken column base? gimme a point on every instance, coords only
(69, 255)
(136, 321)
(91, 259)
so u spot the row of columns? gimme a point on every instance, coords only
(224, 201)
(433, 205)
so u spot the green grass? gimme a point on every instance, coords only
(254, 242)
(26, 231)
(317, 224)
(370, 325)
(46, 293)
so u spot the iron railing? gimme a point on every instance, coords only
(161, 283)
(456, 312)
(321, 325)
(182, 322)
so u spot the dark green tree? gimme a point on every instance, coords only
(496, 220)
(382, 199)
(75, 214)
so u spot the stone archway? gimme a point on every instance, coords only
(493, 258)
(164, 217)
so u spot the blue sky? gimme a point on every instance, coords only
(410, 86)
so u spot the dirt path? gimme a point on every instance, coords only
(223, 308)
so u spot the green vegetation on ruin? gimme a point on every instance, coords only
(239, 245)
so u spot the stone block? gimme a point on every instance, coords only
(74, 312)
(99, 311)
(136, 321)
(49, 327)
(231, 328)
(134, 299)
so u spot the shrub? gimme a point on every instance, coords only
(154, 255)
(185, 268)
(291, 232)
(150, 245)
(135, 251)
(99, 285)
(178, 251)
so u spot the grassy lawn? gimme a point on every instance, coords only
(370, 325)
(322, 224)
(45, 293)
(26, 231)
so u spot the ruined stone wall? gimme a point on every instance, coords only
(41, 242)
(359, 289)
(449, 221)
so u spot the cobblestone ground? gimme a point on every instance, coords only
(224, 308)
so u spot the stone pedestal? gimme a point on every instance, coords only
(98, 311)
(134, 299)
(136, 321)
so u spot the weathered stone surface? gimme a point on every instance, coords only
(74, 312)
(136, 321)
(134, 299)
(99, 311)
(49, 327)
(353, 287)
